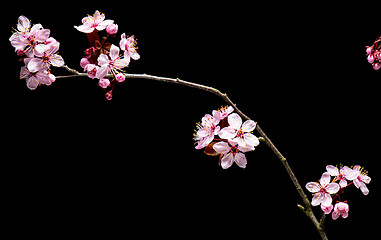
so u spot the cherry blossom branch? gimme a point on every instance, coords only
(307, 205)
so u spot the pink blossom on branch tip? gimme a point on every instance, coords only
(95, 22)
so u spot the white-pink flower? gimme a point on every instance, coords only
(361, 179)
(323, 190)
(326, 210)
(224, 111)
(344, 174)
(128, 46)
(240, 133)
(26, 38)
(207, 129)
(33, 79)
(231, 152)
(111, 63)
(44, 56)
(340, 209)
(90, 23)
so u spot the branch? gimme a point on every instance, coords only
(307, 209)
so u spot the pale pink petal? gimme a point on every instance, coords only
(221, 147)
(326, 210)
(23, 24)
(101, 26)
(202, 133)
(227, 133)
(248, 126)
(313, 187)
(364, 188)
(235, 121)
(332, 170)
(316, 200)
(135, 56)
(335, 215)
(42, 35)
(240, 160)
(24, 72)
(343, 183)
(356, 182)
(251, 140)
(366, 179)
(332, 188)
(227, 160)
(102, 71)
(85, 28)
(325, 178)
(32, 83)
(103, 60)
(35, 64)
(344, 214)
(114, 52)
(56, 60)
(327, 200)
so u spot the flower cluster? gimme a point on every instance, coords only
(235, 137)
(37, 50)
(374, 54)
(103, 58)
(324, 189)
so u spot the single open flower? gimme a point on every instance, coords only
(323, 190)
(90, 23)
(340, 209)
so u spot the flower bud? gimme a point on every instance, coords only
(369, 50)
(108, 95)
(370, 58)
(104, 82)
(112, 28)
(376, 66)
(120, 77)
(84, 62)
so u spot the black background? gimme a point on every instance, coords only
(76, 164)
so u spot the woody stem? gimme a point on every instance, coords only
(307, 209)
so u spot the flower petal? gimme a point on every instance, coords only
(221, 147)
(227, 133)
(332, 170)
(248, 126)
(227, 160)
(56, 60)
(85, 28)
(327, 200)
(240, 160)
(316, 200)
(313, 187)
(23, 24)
(332, 188)
(250, 140)
(235, 121)
(325, 178)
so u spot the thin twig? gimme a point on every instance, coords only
(307, 206)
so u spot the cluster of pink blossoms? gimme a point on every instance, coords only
(235, 137)
(324, 189)
(374, 54)
(103, 58)
(37, 50)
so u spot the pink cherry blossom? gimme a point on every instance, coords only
(240, 133)
(343, 175)
(90, 23)
(361, 179)
(112, 29)
(326, 210)
(322, 190)
(340, 209)
(111, 63)
(225, 111)
(104, 82)
(120, 77)
(231, 152)
(26, 38)
(44, 56)
(33, 79)
(128, 46)
(207, 129)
